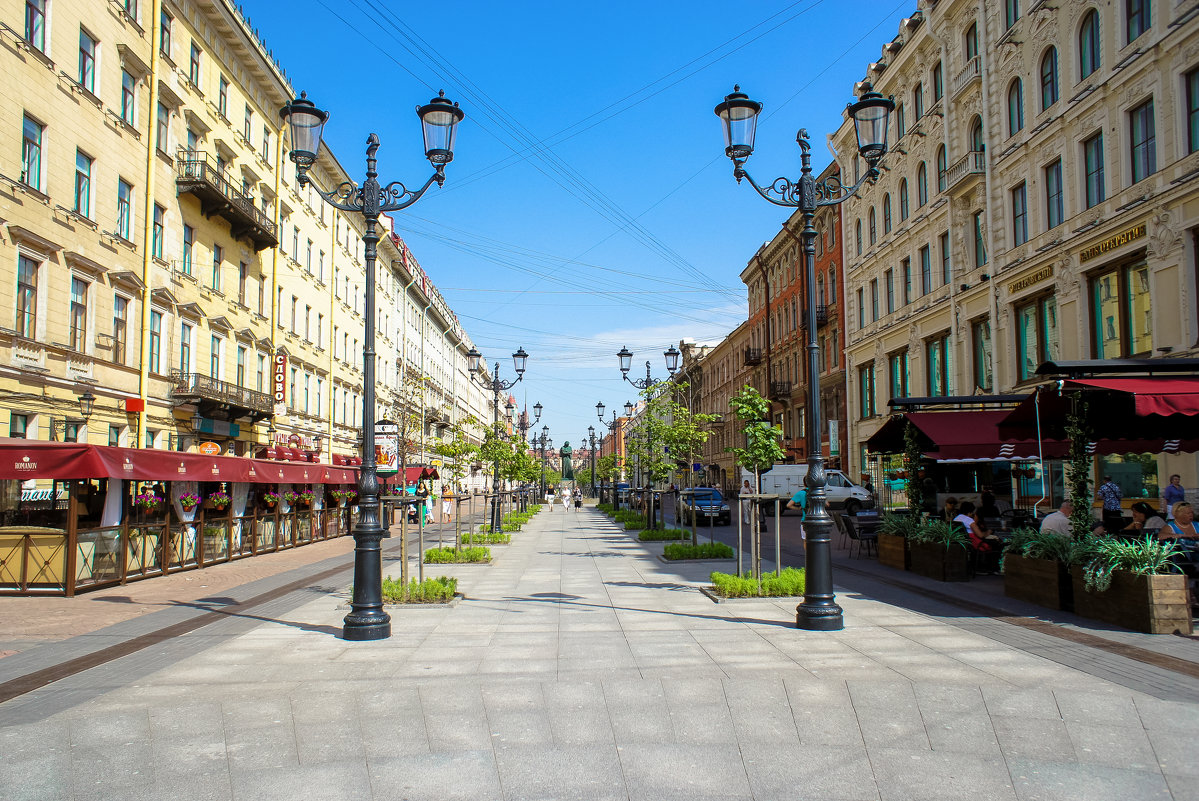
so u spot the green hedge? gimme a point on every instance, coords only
(430, 591)
(658, 534)
(448, 556)
(487, 538)
(707, 550)
(774, 585)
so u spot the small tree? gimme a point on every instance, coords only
(762, 439)
(911, 463)
(1078, 470)
(456, 450)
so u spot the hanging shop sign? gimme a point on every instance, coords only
(387, 447)
(279, 380)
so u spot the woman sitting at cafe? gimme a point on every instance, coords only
(985, 543)
(1144, 519)
(1182, 527)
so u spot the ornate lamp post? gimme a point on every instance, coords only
(545, 443)
(439, 121)
(496, 385)
(819, 610)
(626, 362)
(591, 450)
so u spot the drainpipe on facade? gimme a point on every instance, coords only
(143, 376)
(274, 296)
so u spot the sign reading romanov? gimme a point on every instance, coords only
(387, 447)
(1113, 242)
(279, 381)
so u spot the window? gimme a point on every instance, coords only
(260, 375)
(159, 225)
(938, 82)
(1049, 89)
(295, 243)
(980, 243)
(128, 97)
(918, 101)
(164, 35)
(858, 236)
(307, 323)
(889, 286)
(216, 350)
(1054, 209)
(1015, 107)
(972, 41)
(1088, 44)
(320, 392)
(906, 265)
(193, 140)
(87, 61)
(131, 9)
(31, 153)
(18, 425)
(27, 270)
(897, 367)
(873, 227)
(35, 23)
(295, 306)
(189, 244)
(124, 209)
(886, 214)
(976, 135)
(193, 67)
(921, 184)
(1192, 101)
(83, 184)
(114, 436)
(946, 271)
(307, 390)
(248, 125)
(942, 166)
(1144, 142)
(1019, 214)
(866, 391)
(222, 97)
(904, 208)
(980, 339)
(1092, 153)
(1138, 17)
(320, 327)
(78, 314)
(874, 300)
(155, 341)
(120, 327)
(861, 307)
(218, 256)
(308, 258)
(266, 143)
(162, 128)
(1011, 12)
(936, 360)
(900, 126)
(926, 270)
(185, 347)
(1036, 335)
(1121, 309)
(291, 388)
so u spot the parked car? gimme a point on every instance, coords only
(705, 504)
(841, 492)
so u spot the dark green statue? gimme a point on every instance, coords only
(568, 472)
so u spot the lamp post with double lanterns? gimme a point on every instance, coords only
(545, 442)
(439, 122)
(591, 452)
(612, 426)
(819, 610)
(497, 385)
(626, 362)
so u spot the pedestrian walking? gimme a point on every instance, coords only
(549, 497)
(1174, 493)
(447, 503)
(1113, 513)
(747, 505)
(578, 499)
(565, 495)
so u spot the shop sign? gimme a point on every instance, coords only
(279, 379)
(210, 448)
(834, 437)
(387, 447)
(1032, 278)
(1111, 243)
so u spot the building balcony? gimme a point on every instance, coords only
(821, 317)
(973, 71)
(753, 357)
(199, 174)
(780, 390)
(219, 399)
(966, 171)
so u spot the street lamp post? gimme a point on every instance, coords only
(545, 442)
(591, 450)
(439, 121)
(672, 364)
(612, 426)
(496, 385)
(819, 610)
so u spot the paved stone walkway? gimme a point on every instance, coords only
(582, 667)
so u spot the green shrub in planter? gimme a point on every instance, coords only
(1100, 557)
(486, 538)
(449, 556)
(790, 582)
(658, 534)
(898, 525)
(707, 550)
(429, 591)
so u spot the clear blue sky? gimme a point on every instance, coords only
(589, 204)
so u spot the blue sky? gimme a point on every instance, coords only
(589, 204)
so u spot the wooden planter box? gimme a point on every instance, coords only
(893, 551)
(1152, 604)
(1044, 582)
(940, 562)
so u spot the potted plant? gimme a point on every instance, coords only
(292, 497)
(894, 533)
(1131, 584)
(940, 551)
(269, 499)
(304, 498)
(147, 501)
(220, 500)
(189, 501)
(1036, 568)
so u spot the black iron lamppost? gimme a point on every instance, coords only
(612, 426)
(545, 442)
(591, 450)
(496, 385)
(439, 121)
(819, 610)
(626, 362)
(524, 424)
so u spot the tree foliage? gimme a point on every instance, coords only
(763, 441)
(456, 448)
(665, 432)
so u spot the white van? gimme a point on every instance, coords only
(787, 479)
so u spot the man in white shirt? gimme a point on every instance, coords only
(1059, 522)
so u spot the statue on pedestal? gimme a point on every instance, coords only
(568, 473)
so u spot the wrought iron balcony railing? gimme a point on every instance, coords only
(216, 394)
(202, 176)
(753, 356)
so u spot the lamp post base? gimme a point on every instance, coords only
(367, 628)
(819, 618)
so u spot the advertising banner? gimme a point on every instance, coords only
(279, 383)
(387, 447)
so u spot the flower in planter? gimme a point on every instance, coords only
(147, 501)
(305, 497)
(270, 498)
(189, 501)
(220, 499)
(291, 497)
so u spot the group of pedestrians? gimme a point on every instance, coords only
(566, 496)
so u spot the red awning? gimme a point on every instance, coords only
(339, 459)
(269, 452)
(419, 473)
(959, 436)
(1152, 396)
(338, 475)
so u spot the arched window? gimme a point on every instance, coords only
(820, 290)
(903, 199)
(972, 41)
(858, 231)
(873, 227)
(1088, 44)
(921, 184)
(887, 214)
(1015, 107)
(941, 166)
(1049, 92)
(976, 134)
(832, 285)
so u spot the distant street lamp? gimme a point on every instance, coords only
(439, 122)
(545, 442)
(612, 426)
(626, 362)
(591, 450)
(819, 610)
(496, 385)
